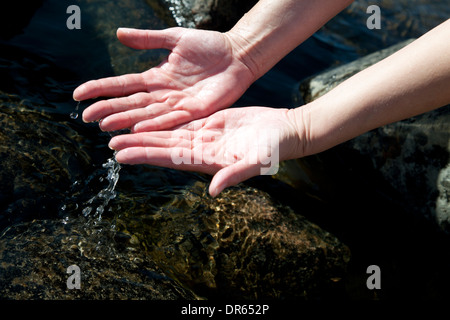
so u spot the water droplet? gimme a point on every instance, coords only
(74, 114)
(86, 211)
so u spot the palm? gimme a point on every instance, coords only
(199, 77)
(234, 144)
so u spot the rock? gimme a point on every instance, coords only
(410, 156)
(46, 174)
(219, 15)
(35, 257)
(162, 237)
(318, 85)
(241, 245)
(40, 159)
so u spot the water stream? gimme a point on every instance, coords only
(106, 194)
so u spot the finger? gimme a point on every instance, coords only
(160, 139)
(145, 155)
(111, 87)
(165, 121)
(232, 175)
(163, 157)
(149, 39)
(104, 108)
(129, 118)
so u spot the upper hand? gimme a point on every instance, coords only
(201, 75)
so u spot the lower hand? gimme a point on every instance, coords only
(233, 145)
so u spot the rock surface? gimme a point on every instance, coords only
(35, 257)
(41, 157)
(240, 245)
(219, 15)
(318, 85)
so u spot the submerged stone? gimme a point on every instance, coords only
(241, 244)
(35, 258)
(40, 159)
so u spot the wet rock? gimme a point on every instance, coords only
(47, 174)
(219, 15)
(410, 157)
(35, 257)
(40, 158)
(241, 244)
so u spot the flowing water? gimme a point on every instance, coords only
(56, 168)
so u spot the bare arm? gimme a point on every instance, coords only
(271, 29)
(412, 81)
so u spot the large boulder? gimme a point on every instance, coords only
(43, 160)
(242, 244)
(40, 159)
(35, 259)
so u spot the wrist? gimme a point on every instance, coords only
(299, 120)
(244, 51)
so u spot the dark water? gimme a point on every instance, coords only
(42, 62)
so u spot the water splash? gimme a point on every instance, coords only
(95, 206)
(107, 194)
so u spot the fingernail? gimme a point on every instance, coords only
(136, 127)
(213, 192)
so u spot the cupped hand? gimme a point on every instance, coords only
(233, 145)
(201, 75)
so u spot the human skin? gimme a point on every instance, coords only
(178, 105)
(414, 80)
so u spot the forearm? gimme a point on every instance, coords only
(271, 29)
(412, 81)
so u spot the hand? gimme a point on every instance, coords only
(233, 145)
(201, 75)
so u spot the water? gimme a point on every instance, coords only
(56, 168)
(107, 194)
(74, 114)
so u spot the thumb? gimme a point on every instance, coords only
(149, 39)
(232, 175)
